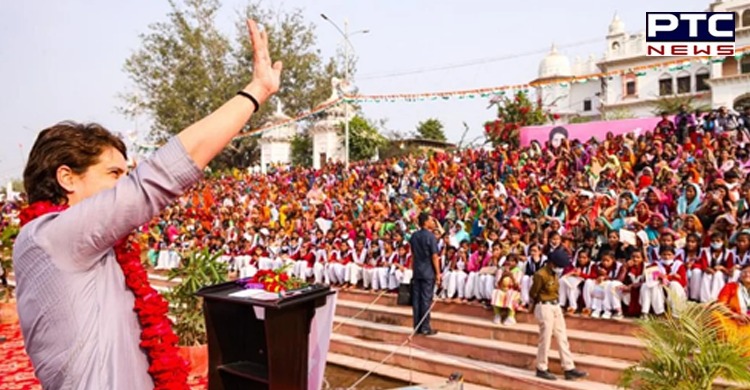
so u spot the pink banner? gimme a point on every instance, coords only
(585, 131)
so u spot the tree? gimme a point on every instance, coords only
(672, 104)
(689, 351)
(618, 114)
(364, 139)
(580, 119)
(186, 68)
(302, 150)
(431, 129)
(512, 115)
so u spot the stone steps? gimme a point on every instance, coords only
(606, 345)
(600, 369)
(394, 372)
(496, 376)
(624, 327)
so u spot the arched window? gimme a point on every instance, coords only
(665, 85)
(701, 76)
(683, 82)
(746, 18)
(616, 46)
(729, 67)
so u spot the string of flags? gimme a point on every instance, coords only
(504, 90)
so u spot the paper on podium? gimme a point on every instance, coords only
(260, 295)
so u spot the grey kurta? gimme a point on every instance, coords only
(75, 310)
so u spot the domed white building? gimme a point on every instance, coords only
(554, 65)
(276, 144)
(328, 144)
(717, 84)
(559, 96)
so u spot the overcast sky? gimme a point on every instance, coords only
(63, 59)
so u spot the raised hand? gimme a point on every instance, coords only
(266, 74)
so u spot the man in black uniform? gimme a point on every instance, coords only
(426, 269)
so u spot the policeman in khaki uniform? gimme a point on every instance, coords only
(544, 296)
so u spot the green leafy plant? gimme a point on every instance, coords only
(672, 104)
(689, 352)
(513, 114)
(364, 138)
(197, 270)
(614, 115)
(7, 238)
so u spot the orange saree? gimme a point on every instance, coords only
(731, 296)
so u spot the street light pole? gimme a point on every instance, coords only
(347, 82)
(346, 104)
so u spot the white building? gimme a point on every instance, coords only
(328, 143)
(714, 84)
(276, 144)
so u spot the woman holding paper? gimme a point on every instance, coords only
(668, 274)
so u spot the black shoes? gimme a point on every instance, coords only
(545, 375)
(570, 375)
(430, 332)
(574, 374)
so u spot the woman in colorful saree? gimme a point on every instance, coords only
(736, 297)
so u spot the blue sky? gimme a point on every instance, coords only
(63, 59)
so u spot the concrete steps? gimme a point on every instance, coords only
(625, 327)
(394, 372)
(606, 345)
(495, 376)
(600, 369)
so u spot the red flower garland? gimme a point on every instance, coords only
(168, 370)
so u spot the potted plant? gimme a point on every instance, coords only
(198, 269)
(688, 351)
(8, 313)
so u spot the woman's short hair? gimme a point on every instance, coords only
(75, 145)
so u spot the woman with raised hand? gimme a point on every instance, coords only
(89, 317)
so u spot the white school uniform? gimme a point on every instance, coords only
(400, 277)
(354, 268)
(606, 296)
(653, 292)
(382, 271)
(319, 268)
(707, 286)
(454, 281)
(335, 269)
(570, 288)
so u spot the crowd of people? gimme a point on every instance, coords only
(650, 220)
(667, 210)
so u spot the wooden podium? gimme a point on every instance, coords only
(246, 352)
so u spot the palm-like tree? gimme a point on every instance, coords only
(689, 352)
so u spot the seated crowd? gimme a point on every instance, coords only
(650, 219)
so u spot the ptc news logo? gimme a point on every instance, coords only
(690, 33)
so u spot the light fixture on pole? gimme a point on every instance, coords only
(348, 46)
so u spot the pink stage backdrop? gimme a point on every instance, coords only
(584, 131)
